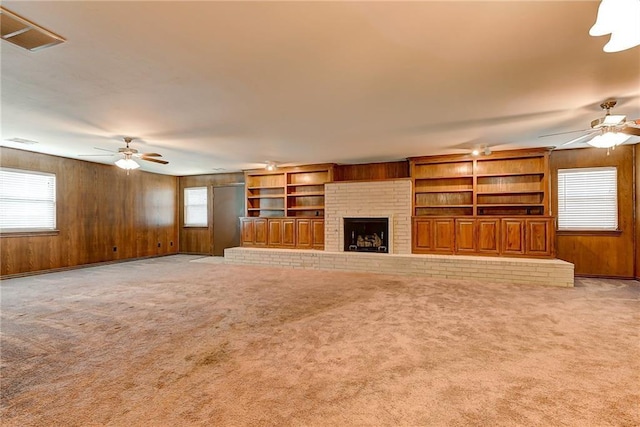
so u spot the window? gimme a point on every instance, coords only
(27, 201)
(195, 207)
(588, 199)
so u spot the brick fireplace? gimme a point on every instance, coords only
(390, 199)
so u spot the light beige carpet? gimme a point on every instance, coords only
(166, 342)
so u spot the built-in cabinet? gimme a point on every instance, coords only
(495, 204)
(505, 183)
(493, 236)
(293, 233)
(285, 207)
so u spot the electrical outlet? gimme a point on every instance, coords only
(171, 243)
(115, 249)
(158, 244)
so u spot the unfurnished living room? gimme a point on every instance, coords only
(266, 213)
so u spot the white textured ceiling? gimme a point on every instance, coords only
(226, 86)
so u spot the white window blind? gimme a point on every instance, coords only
(195, 207)
(27, 201)
(588, 199)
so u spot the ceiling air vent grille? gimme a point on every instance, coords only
(25, 33)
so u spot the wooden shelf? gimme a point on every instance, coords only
(444, 206)
(508, 205)
(268, 196)
(310, 193)
(443, 177)
(283, 191)
(515, 181)
(494, 175)
(306, 208)
(442, 191)
(264, 187)
(492, 193)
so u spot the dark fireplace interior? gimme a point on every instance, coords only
(366, 235)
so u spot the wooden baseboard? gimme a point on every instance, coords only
(596, 276)
(76, 267)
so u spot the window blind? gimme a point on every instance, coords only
(588, 199)
(195, 207)
(27, 200)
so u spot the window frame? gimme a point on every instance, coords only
(31, 231)
(586, 230)
(186, 206)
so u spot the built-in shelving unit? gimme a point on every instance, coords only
(503, 183)
(292, 199)
(287, 192)
(495, 205)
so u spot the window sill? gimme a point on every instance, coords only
(588, 232)
(195, 226)
(35, 233)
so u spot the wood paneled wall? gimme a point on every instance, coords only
(637, 215)
(99, 208)
(371, 171)
(199, 240)
(599, 254)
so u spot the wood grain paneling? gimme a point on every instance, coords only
(488, 236)
(200, 239)
(599, 254)
(304, 233)
(102, 215)
(636, 155)
(465, 238)
(512, 231)
(317, 234)
(372, 171)
(443, 235)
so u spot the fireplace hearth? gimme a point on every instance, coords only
(366, 235)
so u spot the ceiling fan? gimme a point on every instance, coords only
(608, 131)
(128, 162)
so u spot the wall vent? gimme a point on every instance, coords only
(25, 33)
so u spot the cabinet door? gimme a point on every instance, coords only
(443, 230)
(422, 235)
(260, 226)
(538, 237)
(488, 236)
(274, 234)
(317, 234)
(288, 232)
(466, 236)
(247, 232)
(512, 232)
(304, 237)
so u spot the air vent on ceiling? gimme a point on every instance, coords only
(25, 33)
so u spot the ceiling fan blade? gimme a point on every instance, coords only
(103, 149)
(631, 131)
(151, 159)
(580, 137)
(564, 133)
(150, 155)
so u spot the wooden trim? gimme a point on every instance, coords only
(80, 266)
(596, 276)
(614, 233)
(29, 233)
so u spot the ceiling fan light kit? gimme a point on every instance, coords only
(621, 19)
(608, 140)
(127, 164)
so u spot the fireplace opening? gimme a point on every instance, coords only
(366, 235)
